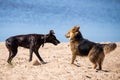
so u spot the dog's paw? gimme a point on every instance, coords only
(43, 62)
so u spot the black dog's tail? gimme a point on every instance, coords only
(7, 43)
(109, 47)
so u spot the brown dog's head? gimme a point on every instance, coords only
(72, 32)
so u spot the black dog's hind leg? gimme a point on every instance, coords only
(12, 54)
(9, 58)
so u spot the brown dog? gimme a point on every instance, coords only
(83, 47)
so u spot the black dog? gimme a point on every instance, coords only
(30, 41)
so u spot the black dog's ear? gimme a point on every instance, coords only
(51, 32)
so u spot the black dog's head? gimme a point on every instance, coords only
(51, 38)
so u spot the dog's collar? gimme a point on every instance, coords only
(44, 40)
(73, 39)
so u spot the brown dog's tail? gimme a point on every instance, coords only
(109, 47)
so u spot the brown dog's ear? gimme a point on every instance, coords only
(51, 32)
(77, 27)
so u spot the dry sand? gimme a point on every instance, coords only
(58, 65)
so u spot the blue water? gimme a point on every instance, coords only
(99, 19)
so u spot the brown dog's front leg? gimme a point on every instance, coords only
(73, 58)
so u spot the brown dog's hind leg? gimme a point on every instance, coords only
(100, 66)
(100, 62)
(93, 60)
(94, 63)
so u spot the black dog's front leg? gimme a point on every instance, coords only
(31, 53)
(32, 48)
(39, 57)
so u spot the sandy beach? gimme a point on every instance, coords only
(58, 65)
